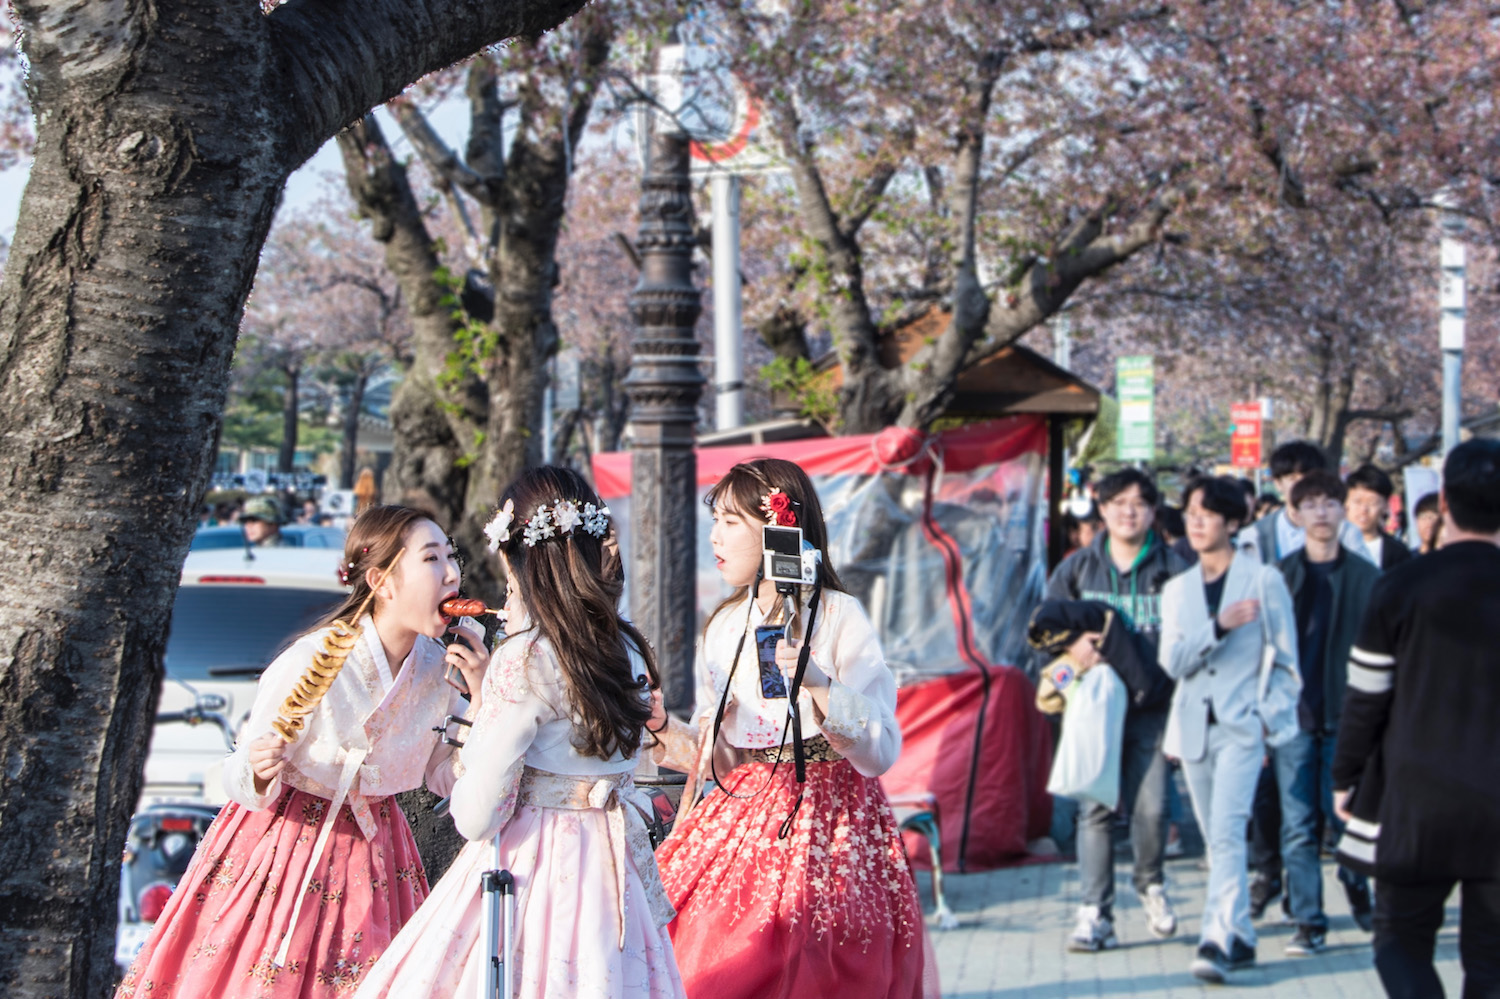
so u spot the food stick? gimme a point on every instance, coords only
(326, 664)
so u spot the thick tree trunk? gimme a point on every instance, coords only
(286, 458)
(165, 132)
(351, 431)
(135, 248)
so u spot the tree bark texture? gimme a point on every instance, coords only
(286, 458)
(165, 132)
(350, 451)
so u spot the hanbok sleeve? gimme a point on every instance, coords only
(511, 712)
(861, 720)
(276, 682)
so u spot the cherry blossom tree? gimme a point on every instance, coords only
(480, 301)
(325, 314)
(994, 158)
(164, 133)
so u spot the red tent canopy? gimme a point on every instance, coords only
(940, 537)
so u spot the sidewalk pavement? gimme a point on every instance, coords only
(1011, 942)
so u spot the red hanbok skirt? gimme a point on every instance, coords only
(829, 911)
(224, 923)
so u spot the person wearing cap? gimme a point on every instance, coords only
(262, 523)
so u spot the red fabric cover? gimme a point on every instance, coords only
(962, 449)
(1010, 805)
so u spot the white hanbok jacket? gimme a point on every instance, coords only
(370, 736)
(861, 720)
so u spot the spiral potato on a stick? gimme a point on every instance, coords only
(318, 678)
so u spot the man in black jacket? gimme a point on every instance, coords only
(1330, 590)
(1419, 746)
(1126, 567)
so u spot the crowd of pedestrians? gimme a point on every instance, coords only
(1322, 687)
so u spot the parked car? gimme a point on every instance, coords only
(158, 848)
(234, 613)
(295, 535)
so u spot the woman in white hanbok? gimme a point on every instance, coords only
(547, 767)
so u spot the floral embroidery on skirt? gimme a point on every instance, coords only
(830, 910)
(223, 924)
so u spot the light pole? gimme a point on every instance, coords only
(1451, 301)
(729, 375)
(663, 385)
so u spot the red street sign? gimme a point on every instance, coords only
(1244, 443)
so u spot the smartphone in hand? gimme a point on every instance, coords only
(772, 682)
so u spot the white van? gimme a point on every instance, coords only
(235, 611)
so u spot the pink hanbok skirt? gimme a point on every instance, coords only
(222, 927)
(567, 928)
(831, 910)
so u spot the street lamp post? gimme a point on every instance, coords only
(1451, 325)
(663, 386)
(729, 377)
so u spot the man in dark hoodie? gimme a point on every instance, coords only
(1125, 567)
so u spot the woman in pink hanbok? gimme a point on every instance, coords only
(547, 769)
(304, 878)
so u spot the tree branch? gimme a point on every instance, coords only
(340, 58)
(1083, 251)
(486, 150)
(871, 187)
(378, 184)
(447, 169)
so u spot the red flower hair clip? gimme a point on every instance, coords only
(777, 506)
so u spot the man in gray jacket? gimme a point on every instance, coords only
(1125, 567)
(1217, 619)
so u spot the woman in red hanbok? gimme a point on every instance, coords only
(830, 909)
(306, 876)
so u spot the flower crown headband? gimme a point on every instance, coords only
(547, 522)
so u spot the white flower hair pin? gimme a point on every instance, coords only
(498, 529)
(566, 516)
(596, 519)
(538, 526)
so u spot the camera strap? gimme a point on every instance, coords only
(799, 755)
(734, 664)
(794, 721)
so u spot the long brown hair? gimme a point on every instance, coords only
(377, 535)
(571, 585)
(744, 488)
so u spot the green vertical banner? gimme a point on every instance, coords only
(1135, 387)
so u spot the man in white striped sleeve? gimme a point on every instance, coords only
(1416, 773)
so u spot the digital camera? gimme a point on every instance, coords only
(789, 560)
